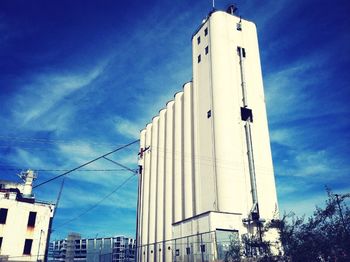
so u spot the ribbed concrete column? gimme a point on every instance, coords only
(169, 170)
(178, 161)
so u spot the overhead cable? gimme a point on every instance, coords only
(87, 163)
(121, 165)
(60, 170)
(96, 204)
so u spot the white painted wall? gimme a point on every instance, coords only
(15, 230)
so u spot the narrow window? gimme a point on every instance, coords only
(209, 114)
(239, 27)
(27, 246)
(198, 40)
(3, 215)
(241, 50)
(207, 50)
(31, 219)
(206, 31)
(199, 58)
(0, 242)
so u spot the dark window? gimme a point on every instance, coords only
(198, 40)
(188, 250)
(199, 58)
(209, 114)
(246, 114)
(206, 31)
(0, 242)
(177, 252)
(3, 215)
(239, 27)
(202, 248)
(207, 50)
(27, 246)
(241, 50)
(31, 219)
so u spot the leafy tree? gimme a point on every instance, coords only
(233, 254)
(324, 236)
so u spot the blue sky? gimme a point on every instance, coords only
(80, 78)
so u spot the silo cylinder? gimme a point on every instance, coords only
(178, 192)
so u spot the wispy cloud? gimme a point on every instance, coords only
(127, 128)
(46, 91)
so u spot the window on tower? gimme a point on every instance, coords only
(209, 114)
(27, 246)
(3, 215)
(206, 50)
(199, 59)
(241, 50)
(206, 31)
(198, 40)
(31, 219)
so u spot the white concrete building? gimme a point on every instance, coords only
(207, 169)
(101, 249)
(24, 221)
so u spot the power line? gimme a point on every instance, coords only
(97, 203)
(121, 165)
(62, 170)
(49, 141)
(87, 163)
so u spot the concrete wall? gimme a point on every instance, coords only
(15, 230)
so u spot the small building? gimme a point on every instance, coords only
(103, 249)
(24, 221)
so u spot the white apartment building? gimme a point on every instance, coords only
(102, 249)
(24, 221)
(206, 164)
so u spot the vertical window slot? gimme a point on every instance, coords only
(3, 215)
(206, 31)
(27, 246)
(31, 219)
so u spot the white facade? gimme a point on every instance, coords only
(106, 249)
(206, 159)
(24, 224)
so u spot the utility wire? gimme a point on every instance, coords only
(87, 163)
(61, 170)
(97, 203)
(121, 165)
(46, 140)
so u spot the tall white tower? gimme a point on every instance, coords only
(206, 160)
